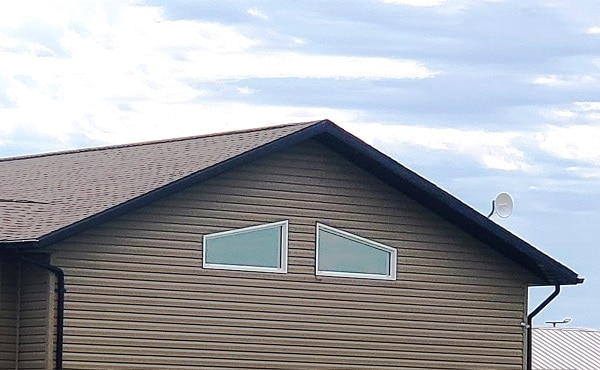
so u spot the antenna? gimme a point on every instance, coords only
(566, 320)
(502, 205)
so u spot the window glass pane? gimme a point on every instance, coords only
(260, 248)
(342, 254)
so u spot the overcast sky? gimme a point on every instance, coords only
(477, 96)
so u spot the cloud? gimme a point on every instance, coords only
(245, 90)
(417, 3)
(211, 66)
(151, 120)
(570, 81)
(500, 150)
(593, 30)
(577, 114)
(573, 142)
(126, 69)
(493, 150)
(257, 13)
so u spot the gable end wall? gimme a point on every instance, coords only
(138, 298)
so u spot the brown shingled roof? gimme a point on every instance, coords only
(40, 194)
(46, 198)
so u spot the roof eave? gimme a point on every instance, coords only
(21, 244)
(436, 199)
(452, 209)
(294, 138)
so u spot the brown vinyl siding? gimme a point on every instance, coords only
(138, 298)
(8, 311)
(35, 334)
(25, 337)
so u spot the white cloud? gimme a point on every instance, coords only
(575, 142)
(577, 113)
(496, 150)
(211, 66)
(593, 30)
(499, 150)
(561, 114)
(575, 139)
(565, 80)
(586, 172)
(245, 90)
(257, 13)
(173, 120)
(127, 69)
(298, 41)
(593, 106)
(417, 3)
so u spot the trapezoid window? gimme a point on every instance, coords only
(255, 248)
(340, 253)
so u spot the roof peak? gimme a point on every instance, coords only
(159, 141)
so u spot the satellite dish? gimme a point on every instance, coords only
(502, 205)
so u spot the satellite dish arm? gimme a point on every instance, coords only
(493, 208)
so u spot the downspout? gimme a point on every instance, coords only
(60, 306)
(530, 317)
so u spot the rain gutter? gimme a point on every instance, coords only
(530, 317)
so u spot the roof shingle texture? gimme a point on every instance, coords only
(43, 193)
(565, 349)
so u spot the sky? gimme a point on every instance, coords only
(479, 97)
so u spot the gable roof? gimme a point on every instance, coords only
(43, 194)
(46, 198)
(565, 349)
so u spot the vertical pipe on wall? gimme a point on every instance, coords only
(530, 317)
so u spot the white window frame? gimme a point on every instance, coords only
(283, 245)
(393, 255)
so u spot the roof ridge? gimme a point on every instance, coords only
(153, 142)
(567, 329)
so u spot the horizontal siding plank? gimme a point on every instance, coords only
(285, 288)
(451, 326)
(300, 353)
(199, 358)
(242, 278)
(93, 362)
(282, 207)
(366, 326)
(294, 297)
(310, 326)
(195, 336)
(253, 201)
(192, 291)
(404, 273)
(408, 320)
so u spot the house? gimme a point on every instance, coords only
(559, 348)
(295, 246)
